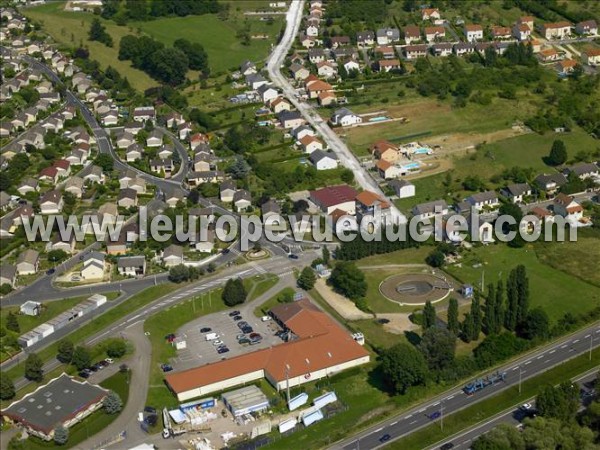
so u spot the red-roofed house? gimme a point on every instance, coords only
(335, 197)
(310, 144)
(567, 207)
(385, 151)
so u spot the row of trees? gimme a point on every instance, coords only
(98, 33)
(141, 10)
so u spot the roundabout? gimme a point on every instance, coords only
(415, 289)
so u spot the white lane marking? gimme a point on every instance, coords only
(378, 430)
(563, 346)
(528, 362)
(422, 410)
(393, 423)
(547, 361)
(552, 351)
(435, 404)
(450, 398)
(540, 357)
(575, 341)
(414, 421)
(409, 416)
(514, 368)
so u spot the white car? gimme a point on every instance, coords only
(109, 360)
(526, 406)
(266, 318)
(218, 342)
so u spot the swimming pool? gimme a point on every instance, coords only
(379, 119)
(423, 151)
(413, 165)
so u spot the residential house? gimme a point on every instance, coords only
(184, 129)
(343, 53)
(484, 200)
(202, 162)
(108, 213)
(197, 140)
(76, 157)
(280, 104)
(365, 39)
(125, 139)
(93, 266)
(550, 183)
(226, 191)
(542, 214)
(58, 243)
(316, 55)
(307, 41)
(301, 131)
(255, 80)
(583, 170)
(402, 188)
(310, 144)
(387, 170)
(386, 51)
(203, 244)
(387, 65)
(326, 69)
(109, 119)
(74, 185)
(323, 160)
(433, 34)
(340, 41)
(172, 255)
(290, 119)
(501, 33)
(430, 14)
(591, 56)
(549, 55)
(166, 151)
(413, 52)
(242, 200)
(567, 207)
(388, 36)
(312, 30)
(350, 65)
(132, 266)
(174, 119)
(527, 20)
(345, 118)
(521, 32)
(270, 208)
(127, 198)
(412, 33)
(330, 198)
(162, 166)
(8, 275)
(51, 202)
(480, 230)
(385, 150)
(463, 48)
(299, 72)
(144, 113)
(247, 68)
(473, 33)
(133, 128)
(556, 30)
(173, 197)
(517, 193)
(565, 66)
(441, 49)
(154, 139)
(134, 152)
(367, 203)
(267, 93)
(587, 28)
(94, 175)
(28, 185)
(424, 211)
(205, 176)
(28, 262)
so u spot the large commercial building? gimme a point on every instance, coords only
(63, 401)
(318, 347)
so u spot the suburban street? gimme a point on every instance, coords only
(455, 399)
(345, 155)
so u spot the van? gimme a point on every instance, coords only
(211, 336)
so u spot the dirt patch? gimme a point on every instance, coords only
(419, 109)
(398, 323)
(377, 412)
(341, 304)
(463, 142)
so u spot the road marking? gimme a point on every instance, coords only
(540, 357)
(547, 361)
(552, 351)
(575, 341)
(587, 336)
(435, 404)
(422, 410)
(450, 398)
(528, 362)
(414, 421)
(514, 368)
(409, 416)
(393, 423)
(378, 430)
(563, 346)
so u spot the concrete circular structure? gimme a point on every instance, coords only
(415, 289)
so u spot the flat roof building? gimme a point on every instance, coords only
(245, 400)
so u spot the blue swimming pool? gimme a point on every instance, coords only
(379, 119)
(422, 151)
(413, 165)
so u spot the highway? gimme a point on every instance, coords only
(513, 416)
(455, 399)
(345, 155)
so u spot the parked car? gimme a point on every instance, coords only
(102, 364)
(218, 343)
(50, 271)
(222, 350)
(170, 337)
(255, 335)
(266, 318)
(386, 437)
(234, 313)
(292, 256)
(166, 367)
(109, 360)
(447, 446)
(205, 330)
(150, 409)
(244, 341)
(236, 318)
(84, 374)
(240, 336)
(248, 330)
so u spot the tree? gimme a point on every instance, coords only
(403, 366)
(536, 325)
(325, 255)
(453, 325)
(429, 316)
(468, 328)
(499, 307)
(558, 153)
(435, 258)
(179, 273)
(489, 317)
(234, 292)
(438, 346)
(82, 359)
(61, 434)
(348, 280)
(112, 403)
(98, 33)
(12, 323)
(512, 297)
(476, 314)
(56, 256)
(522, 292)
(7, 388)
(116, 348)
(34, 368)
(307, 279)
(65, 351)
(169, 65)
(197, 56)
(560, 402)
(105, 162)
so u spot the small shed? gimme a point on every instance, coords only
(245, 400)
(31, 308)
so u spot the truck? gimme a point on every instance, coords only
(482, 383)
(211, 336)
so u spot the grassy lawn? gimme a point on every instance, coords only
(483, 410)
(93, 424)
(557, 292)
(168, 321)
(407, 256)
(225, 50)
(259, 284)
(99, 323)
(71, 29)
(264, 308)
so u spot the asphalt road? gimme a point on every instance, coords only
(348, 159)
(455, 399)
(512, 416)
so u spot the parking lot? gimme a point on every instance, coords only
(199, 351)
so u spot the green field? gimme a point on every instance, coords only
(264, 308)
(554, 290)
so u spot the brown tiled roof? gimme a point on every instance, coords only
(334, 195)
